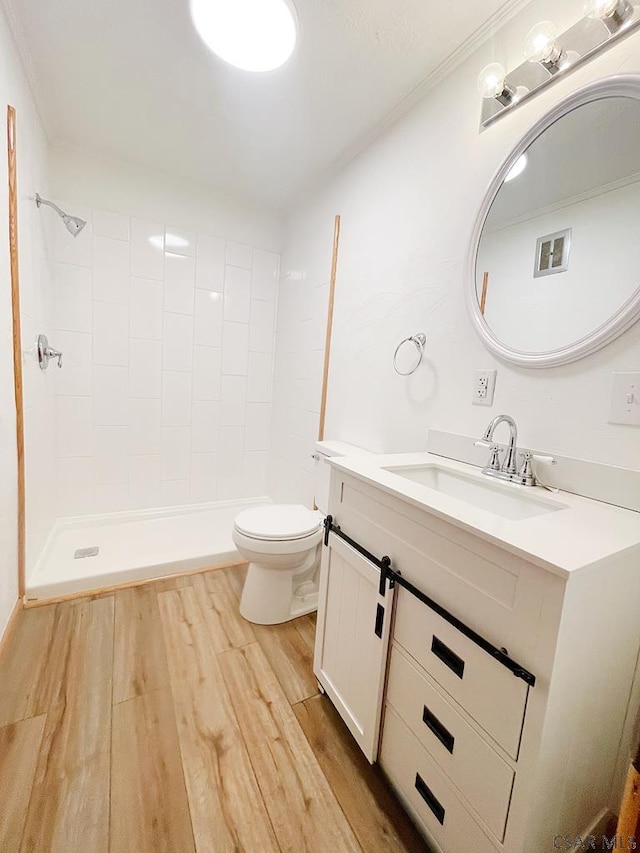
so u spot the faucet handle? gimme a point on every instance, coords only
(482, 442)
(527, 472)
(494, 463)
(526, 469)
(528, 456)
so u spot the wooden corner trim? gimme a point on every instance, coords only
(17, 338)
(327, 345)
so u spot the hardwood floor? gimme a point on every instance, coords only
(156, 720)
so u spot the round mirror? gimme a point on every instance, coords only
(554, 263)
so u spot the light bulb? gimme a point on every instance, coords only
(540, 46)
(540, 42)
(600, 8)
(255, 35)
(614, 12)
(491, 84)
(491, 80)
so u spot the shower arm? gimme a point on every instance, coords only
(40, 201)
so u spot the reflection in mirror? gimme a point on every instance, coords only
(559, 253)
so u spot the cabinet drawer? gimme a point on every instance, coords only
(489, 692)
(473, 766)
(426, 791)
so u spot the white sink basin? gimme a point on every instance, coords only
(505, 500)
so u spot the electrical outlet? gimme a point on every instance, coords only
(483, 387)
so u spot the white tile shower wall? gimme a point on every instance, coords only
(408, 204)
(299, 362)
(168, 337)
(36, 304)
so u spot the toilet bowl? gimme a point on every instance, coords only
(282, 545)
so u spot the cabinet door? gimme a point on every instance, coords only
(352, 640)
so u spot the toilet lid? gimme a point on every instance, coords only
(280, 521)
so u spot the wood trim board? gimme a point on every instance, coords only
(327, 346)
(17, 337)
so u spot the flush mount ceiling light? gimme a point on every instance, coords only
(255, 35)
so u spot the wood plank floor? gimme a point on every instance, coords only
(157, 720)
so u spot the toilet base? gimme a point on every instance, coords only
(270, 598)
(304, 604)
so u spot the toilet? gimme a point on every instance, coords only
(282, 543)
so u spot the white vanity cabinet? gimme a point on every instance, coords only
(482, 759)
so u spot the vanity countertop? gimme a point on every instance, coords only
(578, 535)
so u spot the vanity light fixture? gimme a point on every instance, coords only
(491, 84)
(541, 45)
(254, 35)
(550, 54)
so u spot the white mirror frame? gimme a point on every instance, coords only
(623, 86)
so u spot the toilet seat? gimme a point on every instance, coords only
(278, 523)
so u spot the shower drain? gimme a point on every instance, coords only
(81, 553)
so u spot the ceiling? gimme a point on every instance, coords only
(130, 79)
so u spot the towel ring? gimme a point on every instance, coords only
(418, 340)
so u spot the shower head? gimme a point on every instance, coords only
(73, 223)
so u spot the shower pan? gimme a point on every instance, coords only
(93, 552)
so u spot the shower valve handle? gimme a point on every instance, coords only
(54, 353)
(45, 352)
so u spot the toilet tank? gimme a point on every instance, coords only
(325, 450)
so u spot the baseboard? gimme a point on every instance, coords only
(13, 619)
(106, 590)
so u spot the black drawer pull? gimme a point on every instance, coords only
(447, 657)
(433, 724)
(430, 799)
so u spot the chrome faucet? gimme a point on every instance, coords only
(509, 464)
(507, 469)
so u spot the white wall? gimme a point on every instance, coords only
(108, 184)
(35, 286)
(408, 205)
(165, 395)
